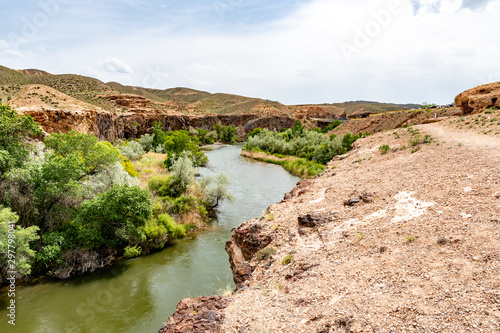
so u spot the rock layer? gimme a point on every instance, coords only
(111, 126)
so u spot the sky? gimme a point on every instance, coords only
(293, 51)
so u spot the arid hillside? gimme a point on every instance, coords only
(400, 235)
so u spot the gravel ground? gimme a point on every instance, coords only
(414, 249)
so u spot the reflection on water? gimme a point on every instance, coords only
(138, 295)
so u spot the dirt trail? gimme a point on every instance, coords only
(487, 143)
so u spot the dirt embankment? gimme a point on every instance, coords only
(405, 241)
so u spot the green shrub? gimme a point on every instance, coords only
(113, 217)
(384, 149)
(333, 125)
(303, 168)
(146, 142)
(173, 229)
(132, 251)
(299, 142)
(417, 139)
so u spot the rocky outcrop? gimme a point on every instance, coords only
(479, 99)
(245, 242)
(198, 315)
(130, 101)
(111, 126)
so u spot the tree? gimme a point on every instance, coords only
(95, 155)
(215, 189)
(47, 192)
(113, 217)
(178, 142)
(158, 134)
(19, 239)
(14, 132)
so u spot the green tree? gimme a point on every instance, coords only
(229, 134)
(14, 130)
(19, 241)
(95, 155)
(114, 217)
(48, 192)
(158, 134)
(178, 142)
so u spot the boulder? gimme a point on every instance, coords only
(479, 99)
(198, 315)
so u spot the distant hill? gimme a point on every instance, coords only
(90, 91)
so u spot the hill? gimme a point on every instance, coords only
(182, 100)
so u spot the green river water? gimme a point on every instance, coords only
(139, 295)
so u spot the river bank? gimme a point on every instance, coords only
(394, 241)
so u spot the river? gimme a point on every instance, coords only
(138, 295)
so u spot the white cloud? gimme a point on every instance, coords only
(116, 66)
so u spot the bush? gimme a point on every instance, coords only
(418, 140)
(299, 142)
(132, 150)
(330, 127)
(266, 253)
(128, 166)
(215, 190)
(166, 186)
(303, 168)
(146, 142)
(384, 149)
(173, 229)
(132, 251)
(178, 143)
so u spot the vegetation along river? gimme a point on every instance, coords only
(138, 295)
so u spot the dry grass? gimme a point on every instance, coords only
(150, 165)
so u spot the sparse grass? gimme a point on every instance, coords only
(384, 149)
(266, 253)
(410, 239)
(418, 139)
(288, 258)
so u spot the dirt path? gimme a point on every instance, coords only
(486, 143)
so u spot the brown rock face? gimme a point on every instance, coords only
(111, 126)
(479, 99)
(245, 242)
(199, 315)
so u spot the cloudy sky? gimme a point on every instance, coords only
(292, 51)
